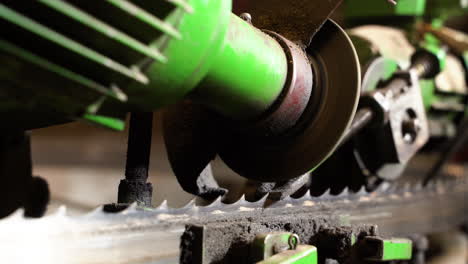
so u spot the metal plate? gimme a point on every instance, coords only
(337, 76)
(296, 20)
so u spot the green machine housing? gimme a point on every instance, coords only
(97, 60)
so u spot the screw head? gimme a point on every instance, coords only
(410, 127)
(246, 17)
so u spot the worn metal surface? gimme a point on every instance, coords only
(281, 190)
(268, 244)
(297, 20)
(399, 128)
(380, 249)
(228, 239)
(134, 187)
(303, 254)
(136, 236)
(331, 109)
(193, 135)
(248, 74)
(291, 104)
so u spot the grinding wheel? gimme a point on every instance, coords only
(336, 91)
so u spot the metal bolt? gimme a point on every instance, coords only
(246, 17)
(293, 241)
(420, 246)
(410, 130)
(410, 127)
(134, 187)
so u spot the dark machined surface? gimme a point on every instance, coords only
(153, 236)
(134, 187)
(192, 135)
(330, 112)
(297, 20)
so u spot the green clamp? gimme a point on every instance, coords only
(282, 248)
(303, 254)
(381, 250)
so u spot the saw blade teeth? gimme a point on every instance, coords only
(98, 211)
(242, 200)
(392, 188)
(362, 191)
(163, 206)
(132, 208)
(281, 203)
(16, 215)
(217, 202)
(406, 187)
(288, 199)
(344, 192)
(303, 197)
(61, 211)
(383, 187)
(307, 196)
(326, 194)
(261, 201)
(190, 204)
(418, 186)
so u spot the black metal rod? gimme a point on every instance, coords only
(134, 187)
(362, 118)
(139, 146)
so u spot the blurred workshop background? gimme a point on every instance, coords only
(83, 165)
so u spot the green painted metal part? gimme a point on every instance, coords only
(106, 121)
(251, 69)
(428, 89)
(303, 254)
(265, 245)
(397, 249)
(389, 249)
(137, 55)
(203, 34)
(242, 70)
(433, 45)
(282, 248)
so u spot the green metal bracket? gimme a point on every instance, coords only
(141, 56)
(267, 245)
(282, 248)
(105, 121)
(303, 254)
(379, 249)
